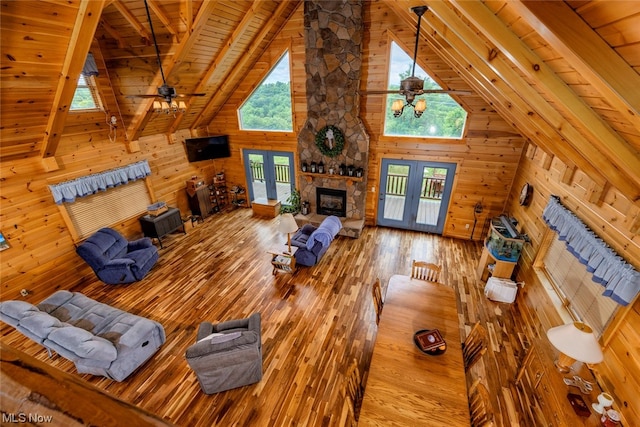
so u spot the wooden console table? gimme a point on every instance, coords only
(405, 386)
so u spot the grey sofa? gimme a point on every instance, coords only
(313, 242)
(98, 338)
(227, 355)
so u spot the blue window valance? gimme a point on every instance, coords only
(620, 280)
(80, 187)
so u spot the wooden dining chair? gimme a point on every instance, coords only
(354, 391)
(376, 291)
(475, 345)
(425, 271)
(480, 408)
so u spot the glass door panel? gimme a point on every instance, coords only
(282, 172)
(431, 191)
(257, 182)
(395, 192)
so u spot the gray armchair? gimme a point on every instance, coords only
(227, 355)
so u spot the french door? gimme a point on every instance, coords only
(415, 195)
(269, 174)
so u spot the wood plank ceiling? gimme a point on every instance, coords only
(565, 74)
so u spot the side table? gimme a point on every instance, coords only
(161, 225)
(283, 261)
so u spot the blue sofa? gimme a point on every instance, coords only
(313, 242)
(116, 260)
(97, 338)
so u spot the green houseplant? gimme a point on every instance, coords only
(293, 203)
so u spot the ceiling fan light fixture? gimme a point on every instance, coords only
(420, 107)
(397, 107)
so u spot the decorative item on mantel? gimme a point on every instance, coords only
(314, 167)
(342, 169)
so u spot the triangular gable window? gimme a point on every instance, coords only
(269, 106)
(86, 94)
(443, 118)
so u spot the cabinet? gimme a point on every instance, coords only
(159, 226)
(501, 251)
(542, 394)
(200, 202)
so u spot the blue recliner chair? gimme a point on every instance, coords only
(116, 260)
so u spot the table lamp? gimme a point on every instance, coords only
(576, 342)
(287, 225)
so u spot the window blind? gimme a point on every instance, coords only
(105, 208)
(579, 293)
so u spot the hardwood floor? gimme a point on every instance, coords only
(314, 323)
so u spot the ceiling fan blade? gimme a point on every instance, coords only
(187, 95)
(448, 91)
(379, 92)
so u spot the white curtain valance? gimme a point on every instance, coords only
(80, 187)
(620, 280)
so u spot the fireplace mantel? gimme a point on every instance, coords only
(349, 179)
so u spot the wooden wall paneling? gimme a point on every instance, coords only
(619, 371)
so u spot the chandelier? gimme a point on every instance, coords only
(412, 86)
(172, 107)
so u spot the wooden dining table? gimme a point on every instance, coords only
(406, 387)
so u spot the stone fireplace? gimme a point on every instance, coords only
(331, 202)
(333, 47)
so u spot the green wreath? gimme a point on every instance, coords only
(338, 141)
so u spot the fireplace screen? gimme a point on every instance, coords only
(331, 202)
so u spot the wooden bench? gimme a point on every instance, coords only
(263, 207)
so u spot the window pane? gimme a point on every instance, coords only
(269, 106)
(444, 117)
(83, 98)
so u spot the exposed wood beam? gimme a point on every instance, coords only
(474, 68)
(113, 33)
(143, 113)
(186, 13)
(570, 141)
(87, 19)
(228, 46)
(601, 136)
(155, 7)
(587, 52)
(132, 20)
(231, 80)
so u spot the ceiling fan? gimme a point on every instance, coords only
(414, 86)
(165, 92)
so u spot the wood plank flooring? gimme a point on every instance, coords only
(313, 323)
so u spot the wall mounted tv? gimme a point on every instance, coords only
(206, 148)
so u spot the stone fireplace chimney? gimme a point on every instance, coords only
(333, 44)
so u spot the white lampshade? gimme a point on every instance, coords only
(287, 224)
(576, 340)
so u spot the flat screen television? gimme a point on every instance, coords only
(206, 148)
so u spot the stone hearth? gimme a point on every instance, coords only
(333, 46)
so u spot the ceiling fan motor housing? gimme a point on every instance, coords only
(167, 92)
